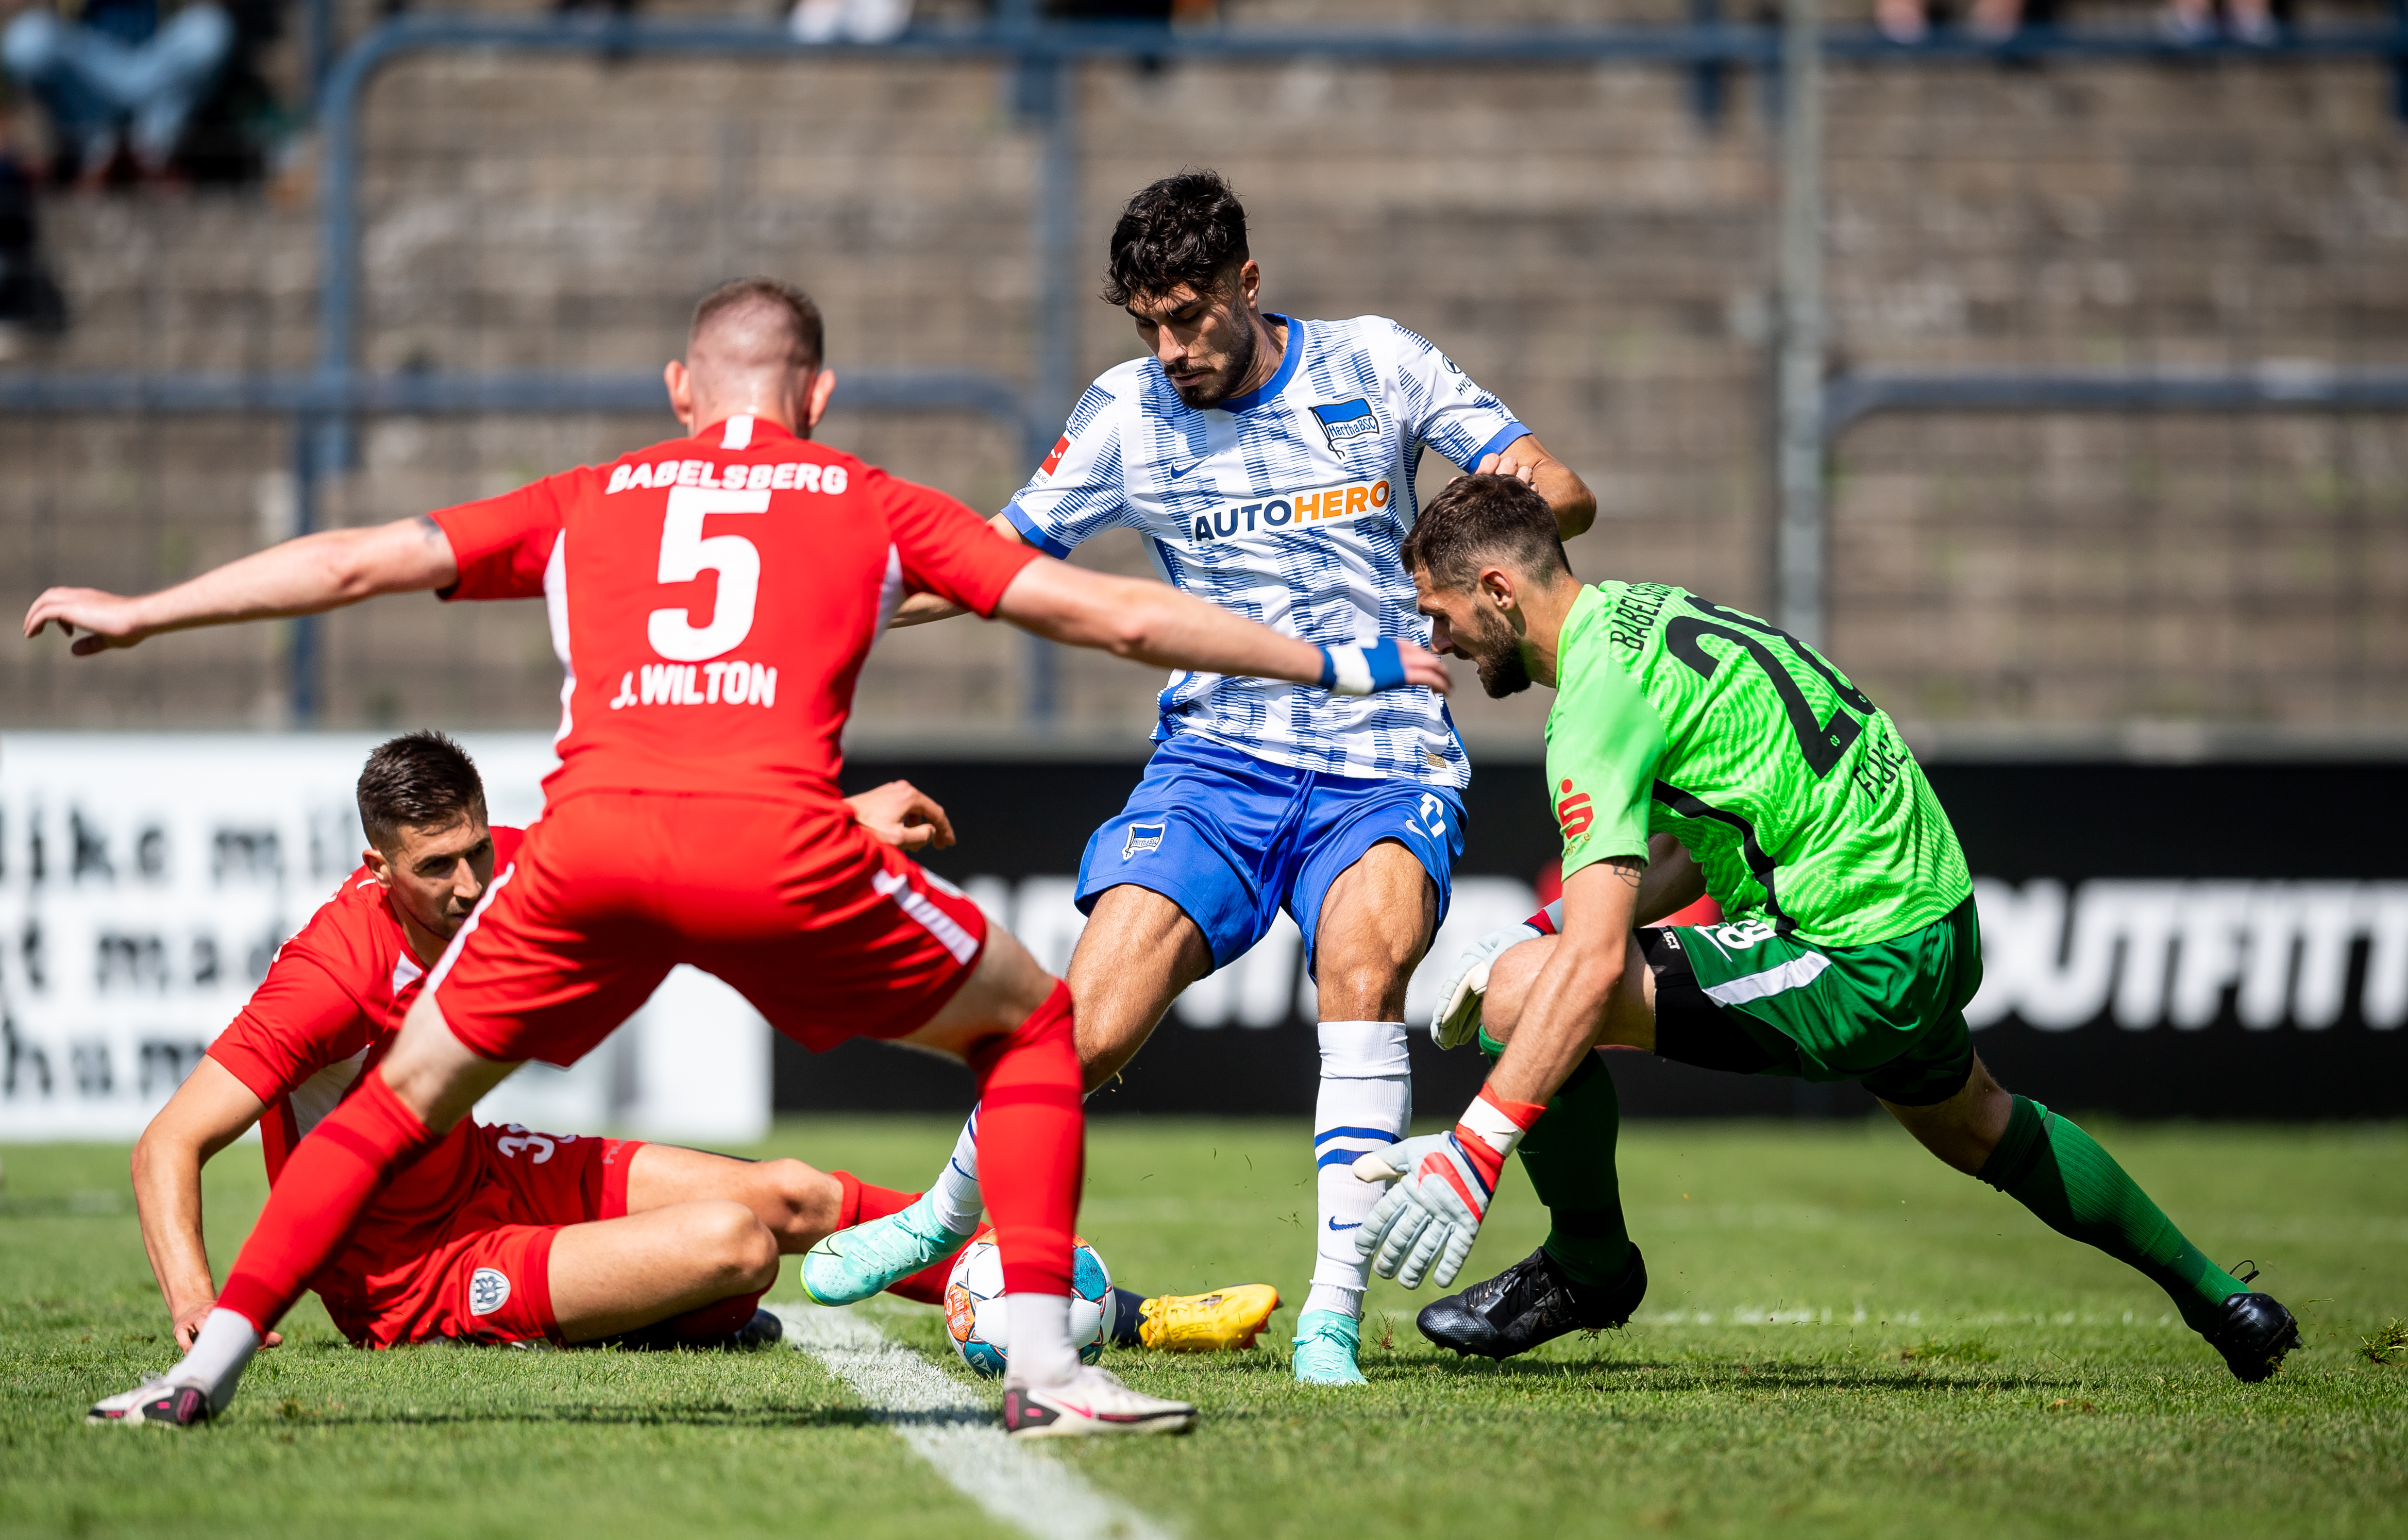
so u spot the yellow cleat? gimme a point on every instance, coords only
(1221, 1321)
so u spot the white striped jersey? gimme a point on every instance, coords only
(1287, 506)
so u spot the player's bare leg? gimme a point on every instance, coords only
(799, 1203)
(426, 1085)
(1376, 920)
(1629, 1019)
(617, 1274)
(1964, 1130)
(1139, 952)
(1118, 977)
(1013, 1023)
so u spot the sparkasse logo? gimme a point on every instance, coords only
(1574, 813)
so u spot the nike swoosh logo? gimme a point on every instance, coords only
(1335, 1225)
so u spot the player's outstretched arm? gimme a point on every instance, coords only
(1156, 624)
(302, 577)
(921, 608)
(211, 1110)
(1425, 1225)
(1674, 880)
(1565, 1009)
(1575, 505)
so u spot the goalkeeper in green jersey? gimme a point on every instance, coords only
(1693, 749)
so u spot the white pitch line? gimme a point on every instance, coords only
(956, 1432)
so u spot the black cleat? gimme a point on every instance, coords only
(1530, 1302)
(2254, 1334)
(764, 1329)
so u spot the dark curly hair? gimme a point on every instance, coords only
(1187, 229)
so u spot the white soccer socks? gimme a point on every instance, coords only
(1366, 1102)
(221, 1350)
(1039, 1351)
(954, 1194)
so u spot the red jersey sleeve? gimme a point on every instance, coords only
(503, 544)
(299, 1021)
(946, 548)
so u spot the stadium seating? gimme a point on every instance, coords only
(1573, 236)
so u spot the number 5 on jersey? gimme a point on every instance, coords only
(685, 555)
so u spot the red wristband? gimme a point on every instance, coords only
(1491, 1126)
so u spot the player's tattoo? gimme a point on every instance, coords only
(1630, 869)
(428, 530)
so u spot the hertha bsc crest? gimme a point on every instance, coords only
(1344, 421)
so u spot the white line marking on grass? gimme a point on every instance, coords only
(955, 1430)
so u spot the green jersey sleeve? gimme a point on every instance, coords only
(1603, 740)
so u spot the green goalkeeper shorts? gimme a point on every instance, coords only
(1736, 996)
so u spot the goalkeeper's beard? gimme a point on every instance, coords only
(1497, 652)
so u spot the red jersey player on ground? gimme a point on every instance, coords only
(695, 816)
(502, 1234)
(499, 1235)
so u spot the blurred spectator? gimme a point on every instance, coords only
(2193, 22)
(2187, 21)
(849, 20)
(883, 21)
(116, 76)
(1906, 21)
(29, 302)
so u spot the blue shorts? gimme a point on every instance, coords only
(1232, 839)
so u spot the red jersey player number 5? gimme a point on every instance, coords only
(719, 600)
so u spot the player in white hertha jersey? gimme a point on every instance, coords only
(1269, 462)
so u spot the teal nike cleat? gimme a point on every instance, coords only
(852, 1265)
(1326, 1342)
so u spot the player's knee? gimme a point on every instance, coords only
(808, 1198)
(759, 1257)
(1362, 988)
(742, 1249)
(1510, 978)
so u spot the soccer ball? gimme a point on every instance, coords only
(974, 1308)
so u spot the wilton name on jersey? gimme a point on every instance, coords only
(790, 476)
(1344, 502)
(697, 684)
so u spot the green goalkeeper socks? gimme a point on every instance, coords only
(1568, 1153)
(2059, 1173)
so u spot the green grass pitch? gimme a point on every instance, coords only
(1841, 1338)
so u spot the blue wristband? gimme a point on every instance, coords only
(1363, 670)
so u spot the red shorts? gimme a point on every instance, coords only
(828, 933)
(482, 1272)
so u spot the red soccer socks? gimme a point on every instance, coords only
(1032, 1145)
(319, 1196)
(867, 1201)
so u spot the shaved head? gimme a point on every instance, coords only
(754, 326)
(754, 348)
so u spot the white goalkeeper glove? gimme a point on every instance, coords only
(1444, 1182)
(1456, 1020)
